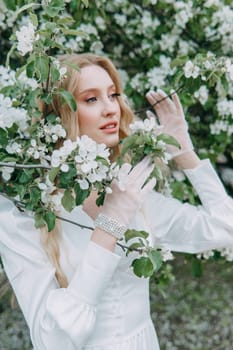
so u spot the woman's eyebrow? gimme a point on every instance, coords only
(112, 86)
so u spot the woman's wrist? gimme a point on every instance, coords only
(104, 239)
(187, 160)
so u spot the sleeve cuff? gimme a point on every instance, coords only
(207, 183)
(94, 273)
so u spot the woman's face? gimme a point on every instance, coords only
(98, 107)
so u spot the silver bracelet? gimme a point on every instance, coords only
(110, 225)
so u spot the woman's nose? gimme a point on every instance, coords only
(109, 108)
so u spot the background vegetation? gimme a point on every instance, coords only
(151, 41)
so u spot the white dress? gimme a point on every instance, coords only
(106, 307)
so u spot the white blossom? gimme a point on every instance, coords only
(221, 126)
(168, 42)
(227, 176)
(225, 108)
(6, 172)
(100, 23)
(209, 3)
(27, 82)
(52, 132)
(97, 47)
(190, 70)
(145, 125)
(229, 68)
(14, 147)
(38, 151)
(178, 175)
(206, 254)
(7, 77)
(10, 115)
(84, 185)
(202, 94)
(26, 37)
(64, 168)
(184, 12)
(49, 197)
(120, 19)
(62, 70)
(166, 254)
(227, 253)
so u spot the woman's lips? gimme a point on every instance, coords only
(109, 128)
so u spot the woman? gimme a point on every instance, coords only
(76, 288)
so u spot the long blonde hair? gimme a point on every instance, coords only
(69, 120)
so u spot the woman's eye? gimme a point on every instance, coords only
(91, 99)
(114, 95)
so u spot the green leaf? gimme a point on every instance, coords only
(133, 247)
(20, 70)
(9, 159)
(3, 138)
(55, 74)
(197, 267)
(26, 176)
(68, 201)
(65, 20)
(127, 143)
(156, 259)
(168, 139)
(143, 267)
(35, 196)
(53, 173)
(12, 49)
(50, 219)
(54, 7)
(23, 8)
(33, 19)
(129, 234)
(30, 69)
(179, 61)
(74, 32)
(10, 4)
(100, 199)
(39, 219)
(68, 98)
(85, 2)
(81, 195)
(42, 68)
(66, 180)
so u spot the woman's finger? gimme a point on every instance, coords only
(177, 103)
(149, 186)
(141, 172)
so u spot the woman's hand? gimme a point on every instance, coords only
(172, 120)
(122, 205)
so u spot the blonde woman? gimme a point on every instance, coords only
(75, 286)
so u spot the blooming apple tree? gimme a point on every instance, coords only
(155, 44)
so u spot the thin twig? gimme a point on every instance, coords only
(162, 99)
(21, 205)
(74, 223)
(24, 166)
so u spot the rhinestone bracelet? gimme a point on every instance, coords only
(110, 225)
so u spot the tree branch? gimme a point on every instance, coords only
(24, 166)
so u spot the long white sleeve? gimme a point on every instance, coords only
(187, 228)
(58, 318)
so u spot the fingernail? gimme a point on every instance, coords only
(161, 91)
(148, 94)
(150, 114)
